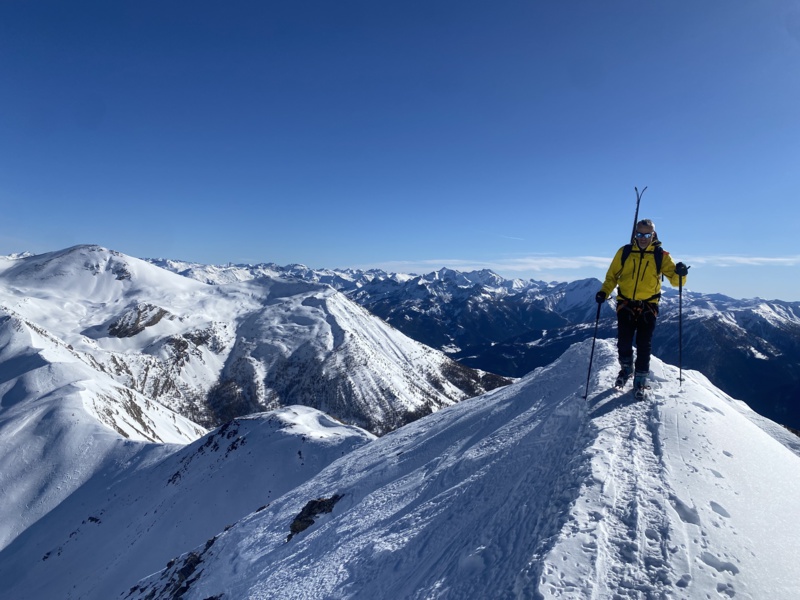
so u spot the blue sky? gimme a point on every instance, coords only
(408, 135)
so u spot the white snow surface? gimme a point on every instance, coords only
(148, 503)
(61, 421)
(532, 491)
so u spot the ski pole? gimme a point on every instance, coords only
(591, 356)
(680, 329)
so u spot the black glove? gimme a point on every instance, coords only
(681, 269)
(600, 297)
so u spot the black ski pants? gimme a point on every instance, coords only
(636, 319)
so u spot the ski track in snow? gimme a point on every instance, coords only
(532, 493)
(621, 529)
(653, 520)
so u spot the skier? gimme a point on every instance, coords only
(637, 269)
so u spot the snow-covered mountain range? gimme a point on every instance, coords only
(749, 348)
(529, 491)
(109, 487)
(214, 352)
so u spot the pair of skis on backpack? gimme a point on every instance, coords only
(640, 385)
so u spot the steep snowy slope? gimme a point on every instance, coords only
(311, 345)
(531, 492)
(52, 404)
(155, 332)
(130, 518)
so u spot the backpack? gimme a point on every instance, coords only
(658, 255)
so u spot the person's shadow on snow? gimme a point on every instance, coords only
(608, 401)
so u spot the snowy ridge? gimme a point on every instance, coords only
(666, 512)
(51, 437)
(143, 508)
(532, 492)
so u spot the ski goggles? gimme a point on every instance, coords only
(646, 236)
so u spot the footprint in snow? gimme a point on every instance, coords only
(726, 589)
(717, 563)
(720, 510)
(708, 408)
(688, 514)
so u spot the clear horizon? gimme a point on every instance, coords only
(431, 135)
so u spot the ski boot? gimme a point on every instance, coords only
(640, 385)
(624, 374)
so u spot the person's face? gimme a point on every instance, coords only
(644, 235)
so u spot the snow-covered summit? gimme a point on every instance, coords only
(531, 492)
(88, 269)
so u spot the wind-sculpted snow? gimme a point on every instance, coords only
(532, 492)
(131, 517)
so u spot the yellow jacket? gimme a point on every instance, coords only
(638, 278)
